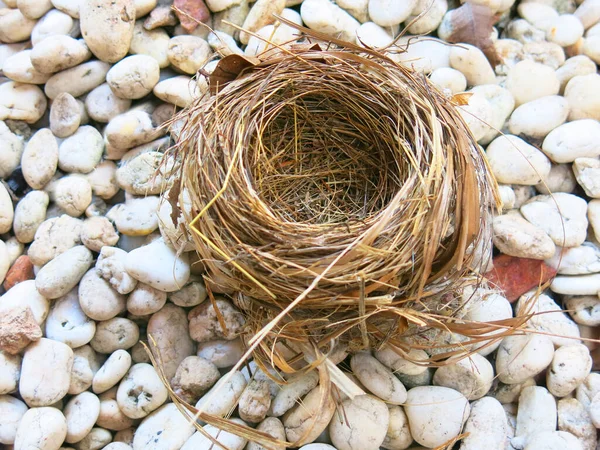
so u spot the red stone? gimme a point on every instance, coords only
(21, 270)
(191, 13)
(516, 276)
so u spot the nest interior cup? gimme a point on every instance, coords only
(336, 181)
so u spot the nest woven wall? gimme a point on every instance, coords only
(338, 194)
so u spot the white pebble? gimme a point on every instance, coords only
(67, 322)
(133, 77)
(141, 391)
(523, 356)
(81, 413)
(570, 366)
(41, 429)
(514, 161)
(63, 273)
(529, 80)
(583, 94)
(539, 117)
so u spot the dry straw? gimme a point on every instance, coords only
(341, 197)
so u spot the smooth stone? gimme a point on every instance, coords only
(138, 216)
(82, 151)
(572, 140)
(521, 357)
(570, 366)
(81, 413)
(515, 236)
(59, 52)
(54, 237)
(223, 396)
(67, 322)
(228, 440)
(40, 158)
(587, 174)
(180, 90)
(133, 77)
(111, 267)
(103, 105)
(576, 284)
(472, 63)
(159, 266)
(585, 310)
(330, 19)
(19, 68)
(11, 150)
(19, 101)
(486, 426)
(539, 117)
(472, 376)
(582, 260)
(377, 378)
(78, 80)
(537, 412)
(194, 376)
(11, 414)
(435, 414)
(573, 418)
(63, 273)
(582, 93)
(112, 371)
(29, 215)
(98, 299)
(141, 391)
(45, 387)
(54, 23)
(164, 429)
(114, 334)
(405, 365)
(388, 13)
(310, 418)
(41, 429)
(528, 81)
(154, 43)
(26, 294)
(514, 161)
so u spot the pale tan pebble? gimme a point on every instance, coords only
(364, 424)
(510, 51)
(591, 48)
(96, 439)
(58, 52)
(97, 298)
(546, 53)
(53, 237)
(180, 90)
(398, 435)
(7, 212)
(309, 418)
(520, 81)
(537, 412)
(114, 334)
(565, 30)
(524, 32)
(26, 294)
(472, 376)
(96, 232)
(112, 371)
(63, 273)
(81, 413)
(45, 387)
(67, 323)
(130, 129)
(514, 161)
(34, 9)
(103, 180)
(450, 79)
(194, 376)
(221, 5)
(576, 284)
(111, 418)
(473, 64)
(41, 428)
(329, 19)
(586, 391)
(539, 117)
(574, 66)
(581, 260)
(143, 7)
(435, 414)
(14, 26)
(8, 50)
(406, 365)
(125, 436)
(585, 310)
(515, 236)
(537, 14)
(54, 23)
(10, 372)
(188, 53)
(572, 140)
(523, 356)
(19, 68)
(486, 425)
(133, 77)
(255, 401)
(570, 366)
(388, 13)
(223, 396)
(154, 43)
(478, 115)
(70, 7)
(20, 101)
(432, 14)
(509, 393)
(108, 39)
(583, 94)
(223, 43)
(586, 172)
(261, 14)
(111, 267)
(422, 54)
(11, 150)
(77, 80)
(377, 378)
(72, 194)
(82, 151)
(549, 318)
(358, 8)
(143, 174)
(12, 411)
(65, 115)
(588, 13)
(205, 323)
(225, 21)
(222, 353)
(226, 439)
(102, 104)
(372, 35)
(40, 159)
(14, 249)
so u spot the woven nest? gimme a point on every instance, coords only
(338, 194)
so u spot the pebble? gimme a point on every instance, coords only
(477, 114)
(584, 310)
(388, 13)
(169, 329)
(14, 26)
(576, 284)
(96, 439)
(139, 176)
(71, 193)
(227, 395)
(194, 376)
(132, 128)
(574, 419)
(157, 265)
(18, 68)
(78, 80)
(40, 158)
(308, 419)
(523, 356)
(255, 401)
(103, 180)
(45, 387)
(63, 273)
(537, 413)
(11, 414)
(112, 371)
(514, 161)
(205, 323)
(97, 232)
(67, 322)
(586, 172)
(98, 299)
(102, 104)
(584, 97)
(330, 19)
(539, 117)
(408, 366)
(141, 392)
(6, 210)
(486, 426)
(10, 371)
(41, 428)
(11, 149)
(17, 329)
(190, 295)
(133, 77)
(377, 378)
(25, 294)
(260, 15)
(565, 30)
(563, 216)
(111, 418)
(228, 440)
(114, 334)
(154, 43)
(111, 267)
(180, 90)
(166, 428)
(472, 376)
(82, 151)
(450, 79)
(364, 424)
(515, 236)
(29, 216)
(107, 29)
(188, 53)
(65, 117)
(86, 362)
(529, 80)
(553, 440)
(59, 52)
(435, 414)
(570, 366)
(572, 140)
(54, 23)
(81, 413)
(473, 64)
(19, 101)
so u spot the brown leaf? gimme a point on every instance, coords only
(228, 70)
(462, 98)
(473, 24)
(173, 199)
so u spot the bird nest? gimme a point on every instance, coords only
(338, 194)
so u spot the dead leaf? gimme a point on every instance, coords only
(473, 24)
(228, 70)
(462, 98)
(173, 199)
